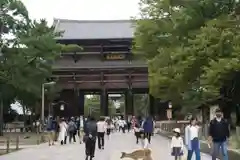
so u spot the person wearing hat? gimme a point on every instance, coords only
(219, 133)
(177, 144)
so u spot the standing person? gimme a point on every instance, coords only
(137, 132)
(90, 130)
(51, 126)
(101, 129)
(218, 135)
(177, 145)
(81, 129)
(148, 128)
(72, 128)
(192, 139)
(122, 124)
(109, 126)
(129, 124)
(62, 131)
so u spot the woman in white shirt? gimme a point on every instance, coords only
(101, 129)
(192, 139)
(63, 131)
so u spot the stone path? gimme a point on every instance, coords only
(117, 143)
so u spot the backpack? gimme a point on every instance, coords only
(72, 127)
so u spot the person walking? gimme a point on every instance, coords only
(137, 132)
(81, 129)
(192, 139)
(101, 129)
(122, 125)
(72, 128)
(148, 125)
(90, 130)
(109, 126)
(62, 131)
(177, 144)
(51, 127)
(219, 133)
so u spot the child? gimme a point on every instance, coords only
(177, 144)
(137, 132)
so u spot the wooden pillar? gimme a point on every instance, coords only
(81, 102)
(104, 102)
(129, 109)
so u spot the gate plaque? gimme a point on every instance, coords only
(115, 56)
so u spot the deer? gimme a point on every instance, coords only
(144, 154)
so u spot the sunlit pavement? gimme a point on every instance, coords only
(117, 143)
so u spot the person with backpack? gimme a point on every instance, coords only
(72, 128)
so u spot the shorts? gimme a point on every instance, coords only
(51, 135)
(177, 151)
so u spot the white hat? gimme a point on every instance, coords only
(177, 130)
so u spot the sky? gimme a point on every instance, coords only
(82, 9)
(79, 10)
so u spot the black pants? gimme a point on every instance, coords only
(90, 147)
(72, 135)
(100, 140)
(65, 140)
(137, 135)
(122, 128)
(129, 127)
(148, 136)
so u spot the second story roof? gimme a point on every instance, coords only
(94, 29)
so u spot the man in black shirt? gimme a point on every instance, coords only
(90, 137)
(219, 134)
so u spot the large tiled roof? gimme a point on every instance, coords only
(94, 29)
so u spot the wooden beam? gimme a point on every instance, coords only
(97, 75)
(108, 81)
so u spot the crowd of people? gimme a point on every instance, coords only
(92, 131)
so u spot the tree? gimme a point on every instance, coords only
(187, 44)
(92, 106)
(28, 48)
(141, 104)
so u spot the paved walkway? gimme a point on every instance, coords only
(117, 143)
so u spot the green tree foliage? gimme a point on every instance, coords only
(28, 49)
(141, 104)
(191, 47)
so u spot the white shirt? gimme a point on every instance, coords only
(193, 132)
(81, 123)
(101, 126)
(177, 142)
(121, 123)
